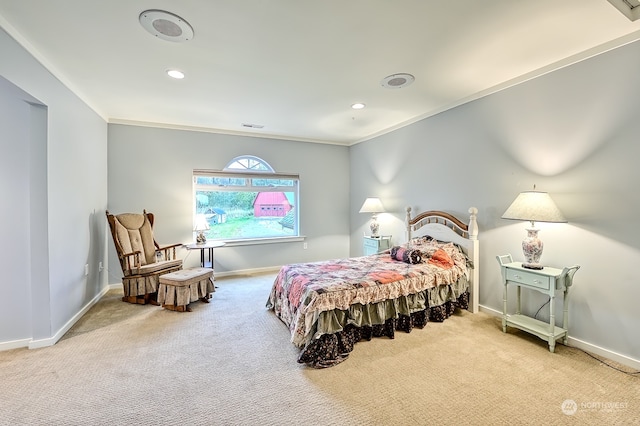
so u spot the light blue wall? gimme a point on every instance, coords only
(573, 133)
(15, 319)
(55, 180)
(151, 168)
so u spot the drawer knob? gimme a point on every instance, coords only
(517, 276)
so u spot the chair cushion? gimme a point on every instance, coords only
(150, 268)
(185, 277)
(134, 233)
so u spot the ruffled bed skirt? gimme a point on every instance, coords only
(343, 329)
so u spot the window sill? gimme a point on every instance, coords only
(259, 241)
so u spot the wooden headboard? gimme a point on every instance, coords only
(446, 227)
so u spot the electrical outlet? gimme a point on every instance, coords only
(100, 267)
(86, 269)
(304, 246)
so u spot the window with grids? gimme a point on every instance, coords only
(247, 200)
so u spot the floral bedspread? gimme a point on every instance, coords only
(302, 291)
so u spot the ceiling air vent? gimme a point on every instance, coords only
(629, 8)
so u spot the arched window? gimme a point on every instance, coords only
(247, 200)
(249, 162)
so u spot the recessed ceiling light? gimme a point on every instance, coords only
(175, 74)
(166, 25)
(358, 105)
(397, 81)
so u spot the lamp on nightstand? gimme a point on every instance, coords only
(201, 226)
(373, 206)
(534, 206)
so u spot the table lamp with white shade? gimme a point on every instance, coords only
(201, 225)
(373, 206)
(534, 206)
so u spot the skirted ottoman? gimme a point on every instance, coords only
(179, 288)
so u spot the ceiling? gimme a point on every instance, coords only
(296, 67)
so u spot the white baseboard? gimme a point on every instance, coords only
(597, 350)
(490, 311)
(585, 346)
(252, 271)
(50, 341)
(14, 344)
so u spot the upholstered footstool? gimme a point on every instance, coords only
(179, 288)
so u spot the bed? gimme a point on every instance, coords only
(329, 306)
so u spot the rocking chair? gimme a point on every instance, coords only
(141, 258)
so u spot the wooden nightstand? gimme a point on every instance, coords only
(374, 245)
(545, 281)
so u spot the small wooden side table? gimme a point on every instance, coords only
(209, 245)
(546, 281)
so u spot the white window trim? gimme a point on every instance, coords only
(239, 173)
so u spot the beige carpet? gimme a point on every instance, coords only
(230, 362)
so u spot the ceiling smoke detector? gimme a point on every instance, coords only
(166, 26)
(397, 81)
